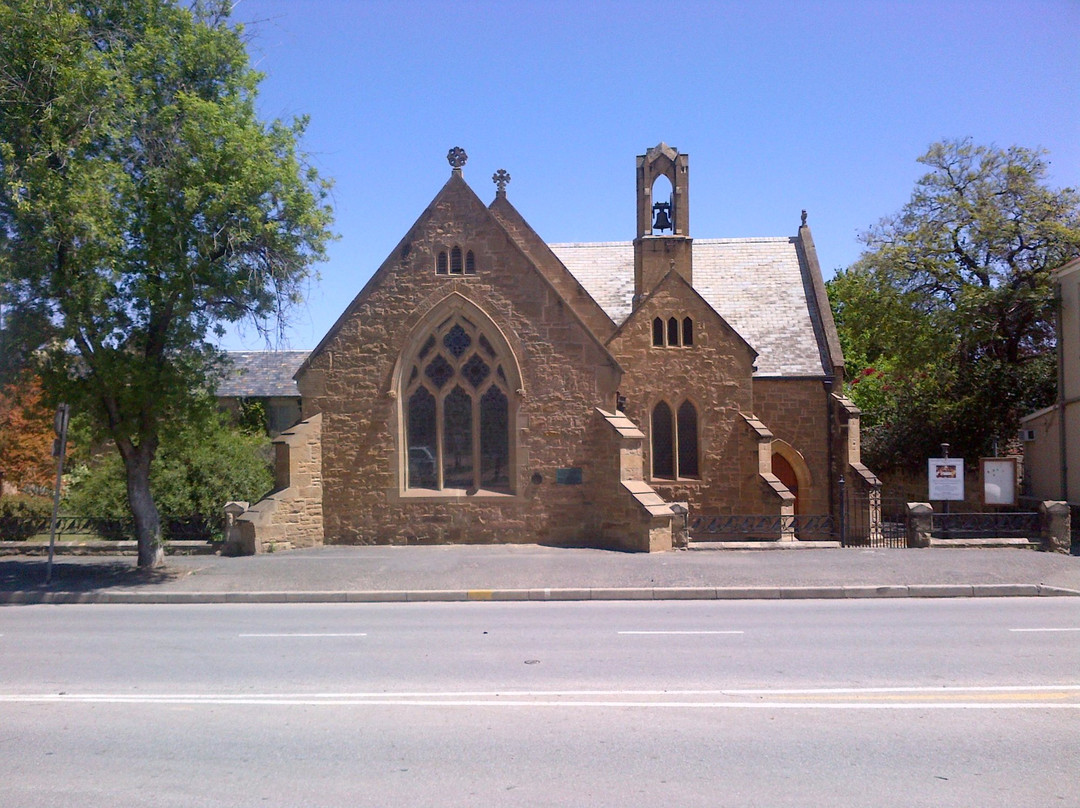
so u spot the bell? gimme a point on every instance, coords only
(663, 221)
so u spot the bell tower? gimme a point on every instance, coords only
(663, 238)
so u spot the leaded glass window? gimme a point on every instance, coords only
(458, 419)
(674, 442)
(663, 442)
(686, 429)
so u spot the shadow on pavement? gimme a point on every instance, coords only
(29, 575)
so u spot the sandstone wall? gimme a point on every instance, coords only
(352, 381)
(291, 516)
(715, 375)
(797, 412)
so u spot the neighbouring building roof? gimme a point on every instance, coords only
(758, 285)
(261, 374)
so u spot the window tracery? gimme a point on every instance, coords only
(457, 411)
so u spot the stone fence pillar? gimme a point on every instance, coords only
(919, 523)
(233, 540)
(1055, 526)
(680, 534)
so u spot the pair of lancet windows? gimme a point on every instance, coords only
(672, 332)
(455, 262)
(457, 411)
(674, 442)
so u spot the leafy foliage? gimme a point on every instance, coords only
(25, 506)
(196, 471)
(142, 205)
(946, 320)
(26, 436)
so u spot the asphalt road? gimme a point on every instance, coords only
(806, 703)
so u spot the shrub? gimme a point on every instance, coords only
(23, 516)
(197, 470)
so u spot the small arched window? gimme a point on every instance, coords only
(455, 261)
(470, 263)
(672, 333)
(442, 265)
(658, 332)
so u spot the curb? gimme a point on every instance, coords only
(30, 597)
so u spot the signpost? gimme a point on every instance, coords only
(60, 424)
(946, 477)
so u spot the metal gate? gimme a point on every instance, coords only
(870, 519)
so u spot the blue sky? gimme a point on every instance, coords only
(781, 106)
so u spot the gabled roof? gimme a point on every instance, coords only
(520, 236)
(674, 282)
(260, 374)
(758, 285)
(569, 288)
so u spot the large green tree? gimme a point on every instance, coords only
(143, 204)
(947, 319)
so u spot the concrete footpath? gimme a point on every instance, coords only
(531, 572)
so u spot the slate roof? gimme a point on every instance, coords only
(758, 285)
(261, 374)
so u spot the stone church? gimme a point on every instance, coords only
(485, 386)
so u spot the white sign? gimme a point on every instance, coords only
(946, 477)
(999, 480)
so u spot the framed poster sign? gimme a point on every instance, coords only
(946, 475)
(998, 476)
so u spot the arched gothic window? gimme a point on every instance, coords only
(457, 411)
(663, 442)
(672, 332)
(674, 442)
(687, 331)
(455, 261)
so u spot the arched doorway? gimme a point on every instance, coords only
(786, 474)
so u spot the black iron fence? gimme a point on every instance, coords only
(742, 527)
(865, 519)
(1024, 525)
(189, 528)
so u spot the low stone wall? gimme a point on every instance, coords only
(1055, 534)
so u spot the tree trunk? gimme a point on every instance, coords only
(143, 509)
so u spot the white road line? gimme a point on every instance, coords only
(521, 694)
(681, 632)
(301, 635)
(1043, 629)
(309, 701)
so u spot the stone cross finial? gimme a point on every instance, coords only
(804, 218)
(457, 157)
(501, 178)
